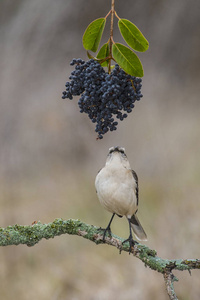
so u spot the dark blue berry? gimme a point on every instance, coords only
(103, 96)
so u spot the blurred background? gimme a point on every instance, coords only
(49, 155)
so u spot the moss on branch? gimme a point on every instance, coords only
(32, 234)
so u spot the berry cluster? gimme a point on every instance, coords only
(103, 96)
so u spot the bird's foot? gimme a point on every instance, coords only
(131, 243)
(105, 230)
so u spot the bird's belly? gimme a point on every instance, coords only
(117, 197)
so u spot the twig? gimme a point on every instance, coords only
(169, 278)
(111, 33)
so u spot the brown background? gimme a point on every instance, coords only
(49, 155)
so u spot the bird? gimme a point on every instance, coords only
(117, 190)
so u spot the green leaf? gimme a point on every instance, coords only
(127, 60)
(132, 35)
(90, 55)
(103, 53)
(93, 34)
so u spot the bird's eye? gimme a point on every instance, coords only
(122, 152)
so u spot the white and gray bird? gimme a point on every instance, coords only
(117, 189)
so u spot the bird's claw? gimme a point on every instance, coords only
(131, 243)
(105, 230)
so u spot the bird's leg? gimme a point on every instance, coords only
(108, 228)
(130, 238)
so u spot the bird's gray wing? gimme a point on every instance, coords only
(97, 174)
(136, 189)
(99, 171)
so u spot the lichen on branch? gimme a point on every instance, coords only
(32, 234)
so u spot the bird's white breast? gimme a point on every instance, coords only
(115, 187)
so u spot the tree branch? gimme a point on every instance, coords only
(32, 234)
(169, 278)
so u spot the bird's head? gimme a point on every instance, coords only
(116, 156)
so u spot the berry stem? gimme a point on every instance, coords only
(117, 16)
(107, 14)
(111, 32)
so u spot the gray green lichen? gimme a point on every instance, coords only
(32, 234)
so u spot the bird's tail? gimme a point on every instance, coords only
(137, 229)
